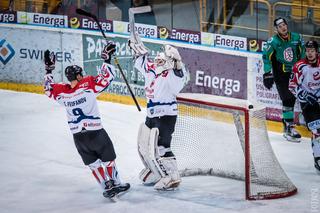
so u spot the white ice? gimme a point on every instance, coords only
(41, 170)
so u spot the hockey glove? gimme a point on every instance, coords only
(268, 80)
(108, 51)
(172, 52)
(137, 45)
(49, 61)
(306, 97)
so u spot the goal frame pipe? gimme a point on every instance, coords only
(245, 110)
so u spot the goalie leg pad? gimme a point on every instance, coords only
(147, 177)
(147, 140)
(172, 178)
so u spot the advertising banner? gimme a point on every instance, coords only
(225, 41)
(216, 74)
(8, 17)
(270, 98)
(42, 19)
(256, 45)
(77, 22)
(180, 35)
(143, 30)
(21, 60)
(92, 47)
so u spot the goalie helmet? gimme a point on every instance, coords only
(72, 71)
(162, 63)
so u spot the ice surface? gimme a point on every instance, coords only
(41, 170)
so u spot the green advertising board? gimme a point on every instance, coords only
(92, 47)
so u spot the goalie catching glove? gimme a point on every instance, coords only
(108, 51)
(173, 53)
(49, 61)
(136, 45)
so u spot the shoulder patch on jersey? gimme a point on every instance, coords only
(151, 67)
(300, 64)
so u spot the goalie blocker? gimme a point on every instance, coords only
(160, 171)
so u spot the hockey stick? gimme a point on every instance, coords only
(85, 13)
(132, 11)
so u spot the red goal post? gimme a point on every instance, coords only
(227, 137)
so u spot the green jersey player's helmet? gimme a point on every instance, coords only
(278, 21)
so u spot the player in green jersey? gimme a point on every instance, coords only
(282, 51)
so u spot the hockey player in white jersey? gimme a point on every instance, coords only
(79, 99)
(165, 77)
(305, 85)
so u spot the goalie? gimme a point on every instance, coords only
(305, 85)
(165, 77)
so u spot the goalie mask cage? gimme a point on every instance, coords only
(226, 137)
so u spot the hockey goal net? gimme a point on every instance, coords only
(226, 137)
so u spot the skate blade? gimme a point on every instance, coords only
(120, 194)
(167, 189)
(173, 186)
(116, 194)
(292, 139)
(112, 198)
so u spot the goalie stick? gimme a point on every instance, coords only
(85, 13)
(132, 11)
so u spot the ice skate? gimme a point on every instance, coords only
(109, 191)
(112, 191)
(290, 133)
(167, 184)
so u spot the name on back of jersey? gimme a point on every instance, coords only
(75, 103)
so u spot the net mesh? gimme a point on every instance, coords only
(210, 139)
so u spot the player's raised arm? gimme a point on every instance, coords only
(140, 54)
(49, 61)
(107, 72)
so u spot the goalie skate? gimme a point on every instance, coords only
(171, 186)
(113, 191)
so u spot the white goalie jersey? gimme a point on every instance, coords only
(161, 89)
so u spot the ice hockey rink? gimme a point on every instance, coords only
(41, 170)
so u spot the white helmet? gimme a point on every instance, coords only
(163, 63)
